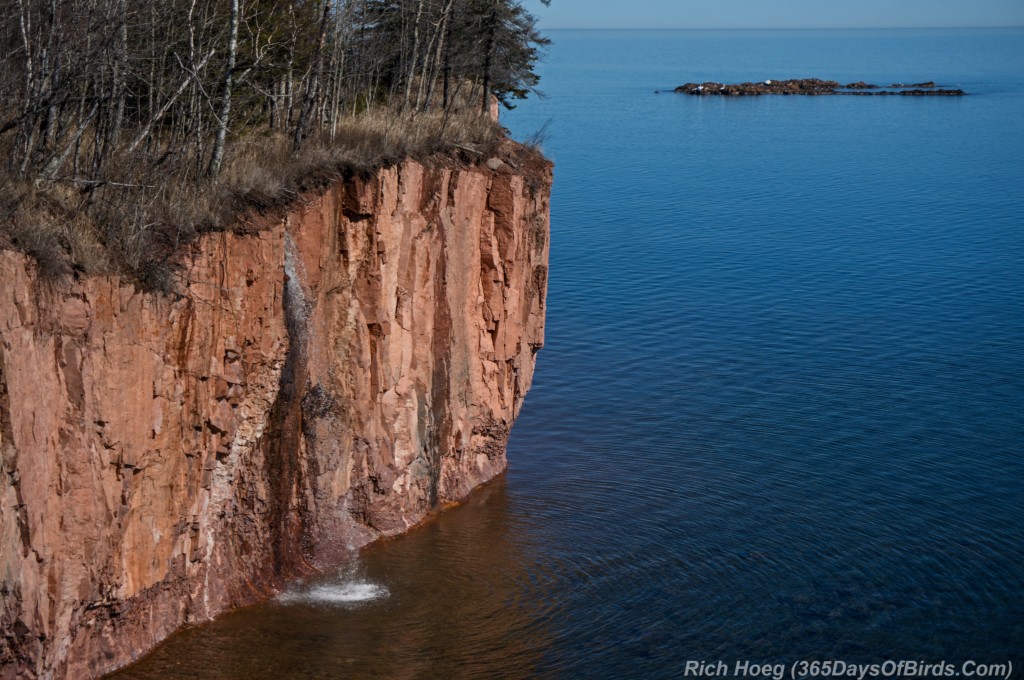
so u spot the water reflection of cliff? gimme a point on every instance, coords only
(465, 599)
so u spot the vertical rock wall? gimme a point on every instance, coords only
(325, 379)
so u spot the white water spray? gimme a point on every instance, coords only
(348, 588)
(297, 308)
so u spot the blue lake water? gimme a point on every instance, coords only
(780, 412)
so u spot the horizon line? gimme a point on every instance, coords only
(776, 28)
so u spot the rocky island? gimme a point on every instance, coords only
(816, 86)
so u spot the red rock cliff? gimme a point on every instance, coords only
(327, 379)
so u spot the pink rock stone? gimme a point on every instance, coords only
(153, 466)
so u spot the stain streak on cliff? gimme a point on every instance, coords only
(283, 444)
(439, 422)
(18, 646)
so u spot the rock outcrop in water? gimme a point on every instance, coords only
(815, 86)
(327, 377)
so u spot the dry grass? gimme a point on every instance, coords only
(137, 219)
(264, 173)
(41, 224)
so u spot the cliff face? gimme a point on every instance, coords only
(327, 378)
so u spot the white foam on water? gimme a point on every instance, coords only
(348, 587)
(335, 593)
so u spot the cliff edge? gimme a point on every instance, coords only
(327, 376)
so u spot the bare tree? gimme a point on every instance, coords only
(133, 105)
(224, 117)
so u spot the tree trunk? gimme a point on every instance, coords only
(144, 132)
(313, 84)
(223, 118)
(415, 56)
(492, 30)
(447, 68)
(121, 72)
(51, 168)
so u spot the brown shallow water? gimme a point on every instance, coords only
(451, 598)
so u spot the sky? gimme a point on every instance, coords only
(776, 13)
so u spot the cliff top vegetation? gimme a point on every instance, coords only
(129, 127)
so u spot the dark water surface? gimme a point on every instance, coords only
(780, 414)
